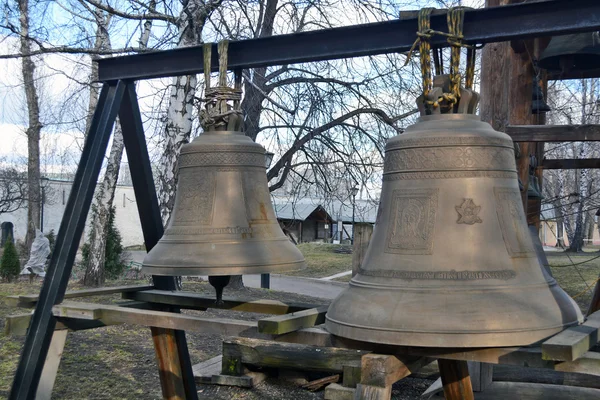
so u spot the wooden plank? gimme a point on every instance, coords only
(266, 353)
(30, 300)
(456, 380)
(385, 370)
(17, 325)
(366, 392)
(509, 373)
(55, 351)
(209, 367)
(481, 375)
(248, 380)
(198, 301)
(338, 392)
(532, 391)
(351, 376)
(554, 133)
(562, 163)
(588, 363)
(292, 322)
(113, 315)
(169, 366)
(571, 343)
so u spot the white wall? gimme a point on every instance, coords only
(126, 217)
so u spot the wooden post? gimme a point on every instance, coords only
(456, 380)
(481, 375)
(362, 237)
(380, 372)
(57, 345)
(169, 366)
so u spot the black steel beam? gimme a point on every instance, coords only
(148, 209)
(495, 24)
(42, 325)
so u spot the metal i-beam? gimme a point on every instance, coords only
(495, 24)
(42, 326)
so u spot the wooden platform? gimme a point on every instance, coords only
(294, 340)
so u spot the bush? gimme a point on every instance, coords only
(113, 261)
(113, 256)
(10, 267)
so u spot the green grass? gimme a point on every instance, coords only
(322, 261)
(577, 280)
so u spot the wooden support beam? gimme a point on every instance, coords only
(481, 375)
(338, 392)
(113, 315)
(532, 391)
(588, 363)
(554, 133)
(292, 322)
(30, 300)
(379, 372)
(169, 366)
(456, 380)
(198, 301)
(563, 163)
(265, 353)
(55, 351)
(573, 342)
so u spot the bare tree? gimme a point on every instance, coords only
(34, 125)
(13, 189)
(105, 192)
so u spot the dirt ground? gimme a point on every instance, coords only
(118, 362)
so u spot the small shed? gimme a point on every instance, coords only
(306, 222)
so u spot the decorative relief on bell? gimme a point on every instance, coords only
(257, 200)
(413, 221)
(451, 275)
(468, 213)
(194, 203)
(448, 158)
(513, 223)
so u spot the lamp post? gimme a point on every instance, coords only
(265, 279)
(353, 192)
(43, 183)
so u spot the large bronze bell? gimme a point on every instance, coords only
(451, 262)
(223, 221)
(572, 53)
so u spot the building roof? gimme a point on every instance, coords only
(300, 208)
(295, 211)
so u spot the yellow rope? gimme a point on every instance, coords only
(218, 114)
(586, 290)
(455, 20)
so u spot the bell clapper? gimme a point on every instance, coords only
(219, 283)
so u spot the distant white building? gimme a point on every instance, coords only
(312, 218)
(57, 193)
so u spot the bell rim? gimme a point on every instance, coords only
(488, 339)
(224, 270)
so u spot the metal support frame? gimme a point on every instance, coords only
(494, 24)
(115, 97)
(520, 21)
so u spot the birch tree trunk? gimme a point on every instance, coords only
(34, 127)
(105, 192)
(177, 128)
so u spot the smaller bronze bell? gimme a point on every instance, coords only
(572, 53)
(538, 104)
(534, 191)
